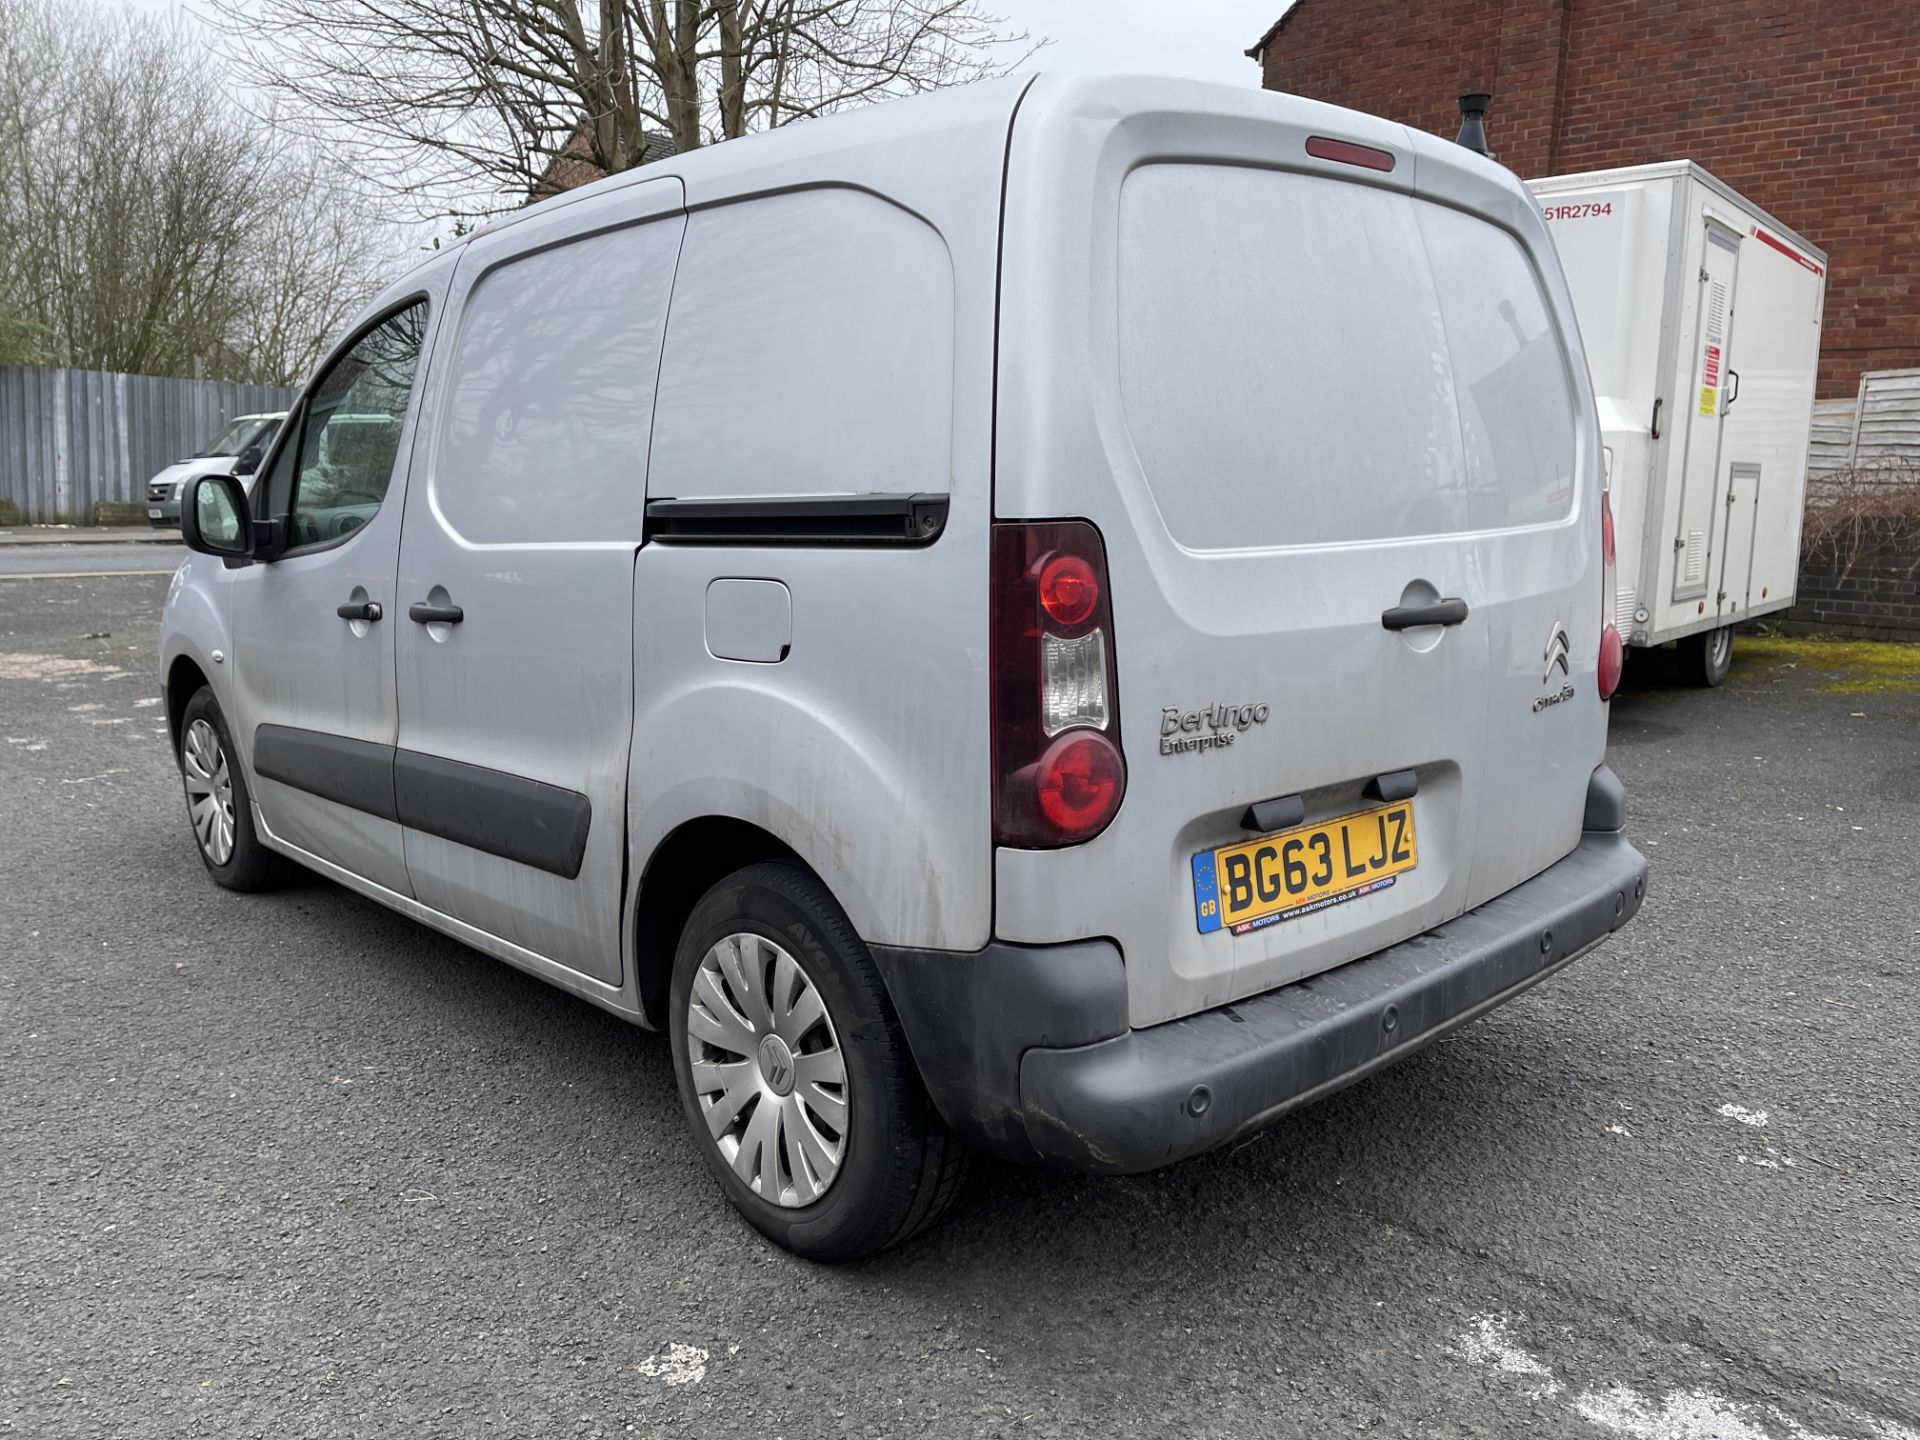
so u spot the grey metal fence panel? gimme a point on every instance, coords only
(70, 439)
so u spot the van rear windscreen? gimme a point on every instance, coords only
(1309, 361)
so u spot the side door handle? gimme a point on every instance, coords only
(360, 610)
(1440, 612)
(422, 613)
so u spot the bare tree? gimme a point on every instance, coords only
(149, 224)
(458, 95)
(317, 247)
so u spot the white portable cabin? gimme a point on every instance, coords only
(1700, 314)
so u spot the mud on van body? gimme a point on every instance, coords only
(1015, 619)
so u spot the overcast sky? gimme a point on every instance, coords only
(1203, 39)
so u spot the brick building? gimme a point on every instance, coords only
(1812, 110)
(573, 166)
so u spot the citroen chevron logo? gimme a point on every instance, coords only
(1558, 647)
(777, 1065)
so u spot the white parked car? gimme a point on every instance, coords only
(236, 450)
(1066, 617)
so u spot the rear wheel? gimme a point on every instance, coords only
(1707, 658)
(795, 1078)
(218, 806)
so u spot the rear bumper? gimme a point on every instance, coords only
(1026, 1050)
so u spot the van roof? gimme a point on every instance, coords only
(902, 131)
(900, 122)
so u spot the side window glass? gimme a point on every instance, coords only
(550, 404)
(351, 436)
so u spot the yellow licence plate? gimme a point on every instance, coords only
(1262, 882)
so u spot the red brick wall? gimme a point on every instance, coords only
(1812, 110)
(1407, 59)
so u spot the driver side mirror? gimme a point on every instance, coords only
(214, 518)
(247, 461)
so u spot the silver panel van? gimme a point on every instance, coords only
(236, 450)
(1065, 618)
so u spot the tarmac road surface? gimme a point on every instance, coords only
(290, 1165)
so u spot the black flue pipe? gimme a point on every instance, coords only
(1473, 123)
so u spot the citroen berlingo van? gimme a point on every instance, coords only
(1065, 618)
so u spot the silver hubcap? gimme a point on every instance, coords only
(1720, 649)
(768, 1070)
(209, 791)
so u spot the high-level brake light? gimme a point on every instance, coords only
(1348, 153)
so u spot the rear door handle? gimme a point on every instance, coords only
(1440, 612)
(422, 613)
(359, 610)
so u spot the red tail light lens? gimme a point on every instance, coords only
(1613, 661)
(1077, 782)
(1613, 654)
(1059, 771)
(1068, 589)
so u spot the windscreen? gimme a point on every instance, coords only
(228, 441)
(1307, 361)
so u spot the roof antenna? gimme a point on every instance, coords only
(1473, 123)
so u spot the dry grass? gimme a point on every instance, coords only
(1871, 510)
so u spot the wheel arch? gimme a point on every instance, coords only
(184, 678)
(689, 861)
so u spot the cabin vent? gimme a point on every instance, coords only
(1694, 568)
(1717, 310)
(1623, 605)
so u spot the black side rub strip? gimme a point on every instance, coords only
(506, 815)
(517, 819)
(908, 520)
(358, 773)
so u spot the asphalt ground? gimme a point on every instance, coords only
(290, 1165)
(46, 559)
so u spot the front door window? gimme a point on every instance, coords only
(351, 435)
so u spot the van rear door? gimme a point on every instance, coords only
(1323, 404)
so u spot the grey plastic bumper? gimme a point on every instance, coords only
(1026, 1053)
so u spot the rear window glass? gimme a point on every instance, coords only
(809, 352)
(1307, 361)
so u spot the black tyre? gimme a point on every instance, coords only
(1706, 659)
(796, 1080)
(218, 805)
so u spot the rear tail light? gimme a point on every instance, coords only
(1613, 655)
(1058, 771)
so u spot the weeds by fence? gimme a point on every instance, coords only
(1866, 510)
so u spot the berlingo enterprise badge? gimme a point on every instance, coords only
(1193, 732)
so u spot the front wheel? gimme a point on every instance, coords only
(218, 806)
(795, 1078)
(1706, 658)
